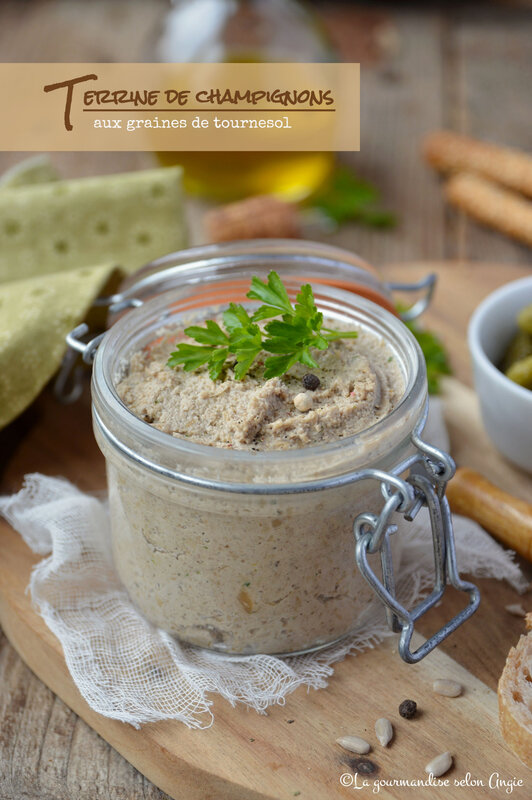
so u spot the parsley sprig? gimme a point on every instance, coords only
(347, 197)
(289, 339)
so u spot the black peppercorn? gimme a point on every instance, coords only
(408, 709)
(311, 381)
(364, 766)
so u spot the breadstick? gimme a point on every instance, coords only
(508, 518)
(261, 217)
(451, 152)
(488, 203)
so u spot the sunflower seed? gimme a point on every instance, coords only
(439, 765)
(384, 731)
(447, 688)
(354, 744)
(516, 609)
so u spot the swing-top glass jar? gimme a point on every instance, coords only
(253, 552)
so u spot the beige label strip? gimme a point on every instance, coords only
(182, 107)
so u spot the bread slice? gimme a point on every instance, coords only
(515, 697)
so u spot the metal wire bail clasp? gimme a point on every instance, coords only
(430, 469)
(69, 380)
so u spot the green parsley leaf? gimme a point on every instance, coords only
(191, 356)
(377, 218)
(273, 293)
(348, 197)
(278, 365)
(435, 354)
(236, 317)
(289, 339)
(331, 335)
(265, 312)
(211, 334)
(306, 307)
(216, 362)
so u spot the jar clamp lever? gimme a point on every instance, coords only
(426, 286)
(430, 469)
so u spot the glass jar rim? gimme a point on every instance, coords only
(360, 275)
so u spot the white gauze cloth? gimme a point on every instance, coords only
(127, 669)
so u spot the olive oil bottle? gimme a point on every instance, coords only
(230, 176)
(246, 31)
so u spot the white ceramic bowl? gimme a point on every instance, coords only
(506, 407)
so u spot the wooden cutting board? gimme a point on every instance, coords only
(291, 751)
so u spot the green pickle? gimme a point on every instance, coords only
(520, 347)
(517, 360)
(524, 319)
(521, 372)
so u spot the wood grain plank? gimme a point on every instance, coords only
(14, 679)
(62, 30)
(401, 101)
(73, 762)
(88, 775)
(30, 736)
(488, 71)
(55, 753)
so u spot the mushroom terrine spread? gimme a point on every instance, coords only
(250, 573)
(358, 383)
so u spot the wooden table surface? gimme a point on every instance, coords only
(469, 69)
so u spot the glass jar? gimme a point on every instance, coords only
(253, 552)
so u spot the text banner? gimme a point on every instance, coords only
(209, 107)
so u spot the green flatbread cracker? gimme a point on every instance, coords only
(35, 316)
(128, 219)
